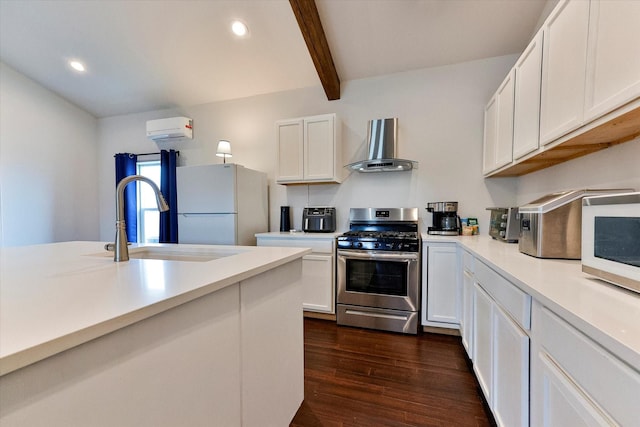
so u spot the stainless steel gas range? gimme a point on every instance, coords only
(378, 270)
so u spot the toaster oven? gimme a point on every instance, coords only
(504, 224)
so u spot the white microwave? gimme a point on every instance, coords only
(611, 238)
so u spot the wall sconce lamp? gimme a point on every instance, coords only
(224, 150)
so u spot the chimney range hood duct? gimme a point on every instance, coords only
(382, 135)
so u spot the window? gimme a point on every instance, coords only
(148, 215)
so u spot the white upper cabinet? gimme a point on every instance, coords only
(498, 118)
(490, 135)
(526, 118)
(563, 69)
(613, 56)
(309, 150)
(504, 144)
(290, 136)
(586, 96)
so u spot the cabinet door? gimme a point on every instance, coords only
(490, 136)
(319, 150)
(526, 117)
(556, 401)
(613, 58)
(563, 69)
(466, 317)
(442, 284)
(290, 135)
(510, 371)
(504, 130)
(482, 340)
(318, 287)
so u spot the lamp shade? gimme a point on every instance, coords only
(224, 149)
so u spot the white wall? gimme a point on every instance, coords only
(440, 118)
(48, 163)
(614, 167)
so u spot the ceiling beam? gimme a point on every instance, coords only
(308, 19)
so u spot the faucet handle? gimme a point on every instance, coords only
(112, 246)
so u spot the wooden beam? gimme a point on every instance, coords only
(308, 19)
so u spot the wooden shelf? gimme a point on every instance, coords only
(595, 136)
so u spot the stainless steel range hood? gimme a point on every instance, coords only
(382, 136)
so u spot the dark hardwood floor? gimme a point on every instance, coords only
(359, 377)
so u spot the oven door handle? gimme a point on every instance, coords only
(379, 255)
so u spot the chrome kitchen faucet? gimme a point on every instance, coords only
(121, 250)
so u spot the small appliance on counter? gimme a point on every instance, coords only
(504, 224)
(551, 226)
(319, 220)
(446, 221)
(611, 238)
(285, 218)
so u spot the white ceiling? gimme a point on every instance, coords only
(145, 55)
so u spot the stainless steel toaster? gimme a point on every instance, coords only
(319, 219)
(551, 226)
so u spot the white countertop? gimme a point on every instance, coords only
(298, 235)
(57, 296)
(608, 314)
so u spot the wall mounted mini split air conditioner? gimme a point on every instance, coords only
(170, 129)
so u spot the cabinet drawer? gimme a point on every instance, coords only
(316, 245)
(612, 384)
(508, 296)
(467, 262)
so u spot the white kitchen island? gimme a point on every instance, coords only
(195, 341)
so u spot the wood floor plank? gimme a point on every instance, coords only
(358, 377)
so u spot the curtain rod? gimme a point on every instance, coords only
(151, 154)
(148, 154)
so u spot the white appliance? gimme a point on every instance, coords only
(223, 204)
(611, 238)
(170, 129)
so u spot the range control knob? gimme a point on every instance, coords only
(376, 245)
(359, 244)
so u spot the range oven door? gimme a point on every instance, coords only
(388, 280)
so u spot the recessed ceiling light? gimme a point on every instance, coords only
(239, 28)
(77, 65)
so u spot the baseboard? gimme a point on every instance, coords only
(443, 331)
(323, 316)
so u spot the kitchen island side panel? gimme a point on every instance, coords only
(272, 346)
(180, 367)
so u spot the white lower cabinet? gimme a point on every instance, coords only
(466, 311)
(318, 287)
(510, 371)
(534, 367)
(574, 381)
(560, 402)
(318, 268)
(483, 340)
(501, 346)
(440, 285)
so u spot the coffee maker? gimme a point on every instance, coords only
(446, 221)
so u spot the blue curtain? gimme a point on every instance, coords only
(169, 219)
(125, 166)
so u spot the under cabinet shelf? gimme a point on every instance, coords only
(615, 128)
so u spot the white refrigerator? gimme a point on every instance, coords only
(223, 204)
